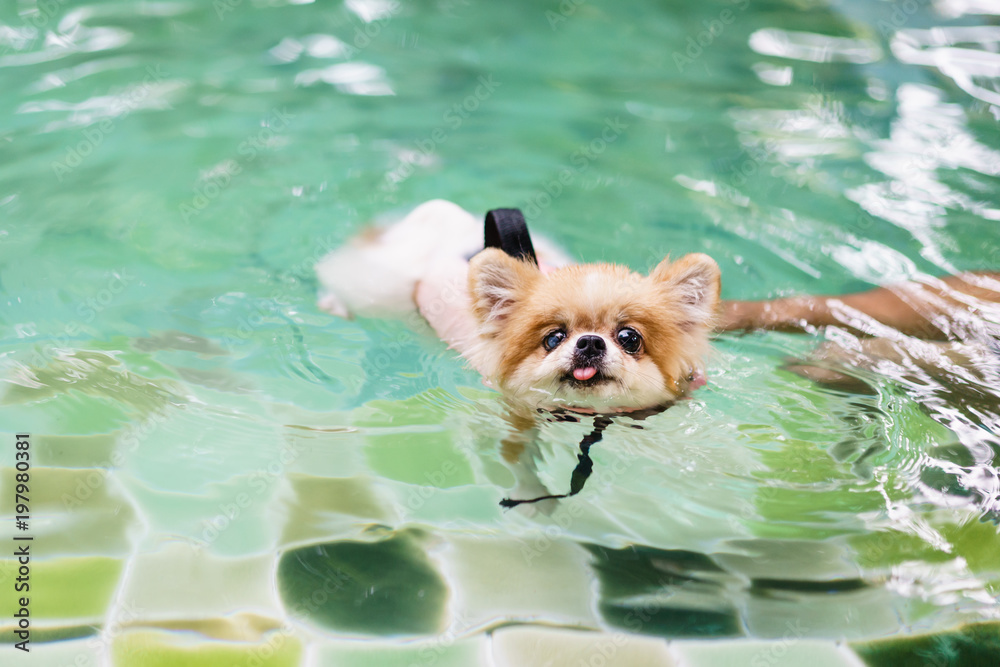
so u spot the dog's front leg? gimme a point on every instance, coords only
(520, 451)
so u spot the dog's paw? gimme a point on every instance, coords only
(329, 303)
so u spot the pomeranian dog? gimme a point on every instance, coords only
(588, 338)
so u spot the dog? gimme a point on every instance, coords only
(586, 338)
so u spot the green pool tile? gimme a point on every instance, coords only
(444, 650)
(885, 548)
(476, 504)
(150, 648)
(319, 504)
(430, 459)
(542, 578)
(198, 446)
(799, 495)
(355, 496)
(65, 651)
(324, 450)
(638, 569)
(85, 414)
(93, 374)
(180, 581)
(789, 650)
(410, 440)
(386, 586)
(810, 512)
(518, 647)
(665, 593)
(787, 559)
(428, 408)
(978, 542)
(45, 634)
(970, 546)
(976, 645)
(59, 489)
(938, 471)
(177, 340)
(75, 451)
(661, 618)
(64, 588)
(217, 379)
(475, 393)
(75, 512)
(835, 609)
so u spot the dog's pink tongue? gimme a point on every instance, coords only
(584, 374)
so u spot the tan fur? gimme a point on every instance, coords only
(496, 311)
(516, 306)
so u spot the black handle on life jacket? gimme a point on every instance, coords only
(506, 229)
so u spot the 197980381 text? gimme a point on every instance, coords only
(22, 546)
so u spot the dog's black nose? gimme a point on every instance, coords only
(590, 346)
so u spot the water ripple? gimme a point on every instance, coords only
(354, 78)
(813, 47)
(975, 68)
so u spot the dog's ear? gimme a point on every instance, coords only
(693, 282)
(496, 281)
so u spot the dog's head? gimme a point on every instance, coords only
(594, 336)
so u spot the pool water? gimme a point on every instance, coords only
(223, 474)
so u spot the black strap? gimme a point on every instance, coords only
(507, 230)
(584, 466)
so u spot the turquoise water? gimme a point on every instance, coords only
(206, 441)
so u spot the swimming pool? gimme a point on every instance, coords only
(222, 474)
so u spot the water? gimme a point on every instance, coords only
(171, 171)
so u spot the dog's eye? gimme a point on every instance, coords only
(553, 339)
(630, 340)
